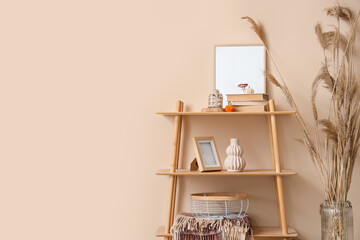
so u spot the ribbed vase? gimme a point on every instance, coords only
(234, 161)
(336, 221)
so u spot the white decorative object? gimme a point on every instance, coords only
(249, 90)
(234, 161)
(215, 99)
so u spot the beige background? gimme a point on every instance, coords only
(81, 82)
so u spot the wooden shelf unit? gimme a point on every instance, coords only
(281, 231)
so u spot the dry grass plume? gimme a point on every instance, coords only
(335, 143)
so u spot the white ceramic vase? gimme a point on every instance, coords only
(234, 162)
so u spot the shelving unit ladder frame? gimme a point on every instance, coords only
(274, 143)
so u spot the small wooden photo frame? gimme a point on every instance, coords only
(207, 155)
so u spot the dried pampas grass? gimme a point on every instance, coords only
(258, 28)
(339, 12)
(337, 135)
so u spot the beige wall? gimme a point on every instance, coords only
(81, 82)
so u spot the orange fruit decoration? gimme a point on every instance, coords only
(229, 108)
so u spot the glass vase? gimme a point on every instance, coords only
(336, 220)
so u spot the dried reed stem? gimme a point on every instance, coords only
(340, 131)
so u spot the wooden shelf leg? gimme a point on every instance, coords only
(281, 204)
(170, 211)
(273, 165)
(279, 191)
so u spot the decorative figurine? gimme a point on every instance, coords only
(243, 86)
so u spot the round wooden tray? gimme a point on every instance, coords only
(219, 196)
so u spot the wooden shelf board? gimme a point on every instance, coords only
(273, 232)
(224, 113)
(160, 232)
(259, 232)
(247, 172)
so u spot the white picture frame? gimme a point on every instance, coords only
(235, 64)
(207, 155)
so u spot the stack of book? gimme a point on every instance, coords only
(248, 102)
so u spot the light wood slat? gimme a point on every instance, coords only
(224, 113)
(180, 108)
(273, 232)
(273, 163)
(173, 167)
(279, 190)
(249, 172)
(160, 232)
(259, 232)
